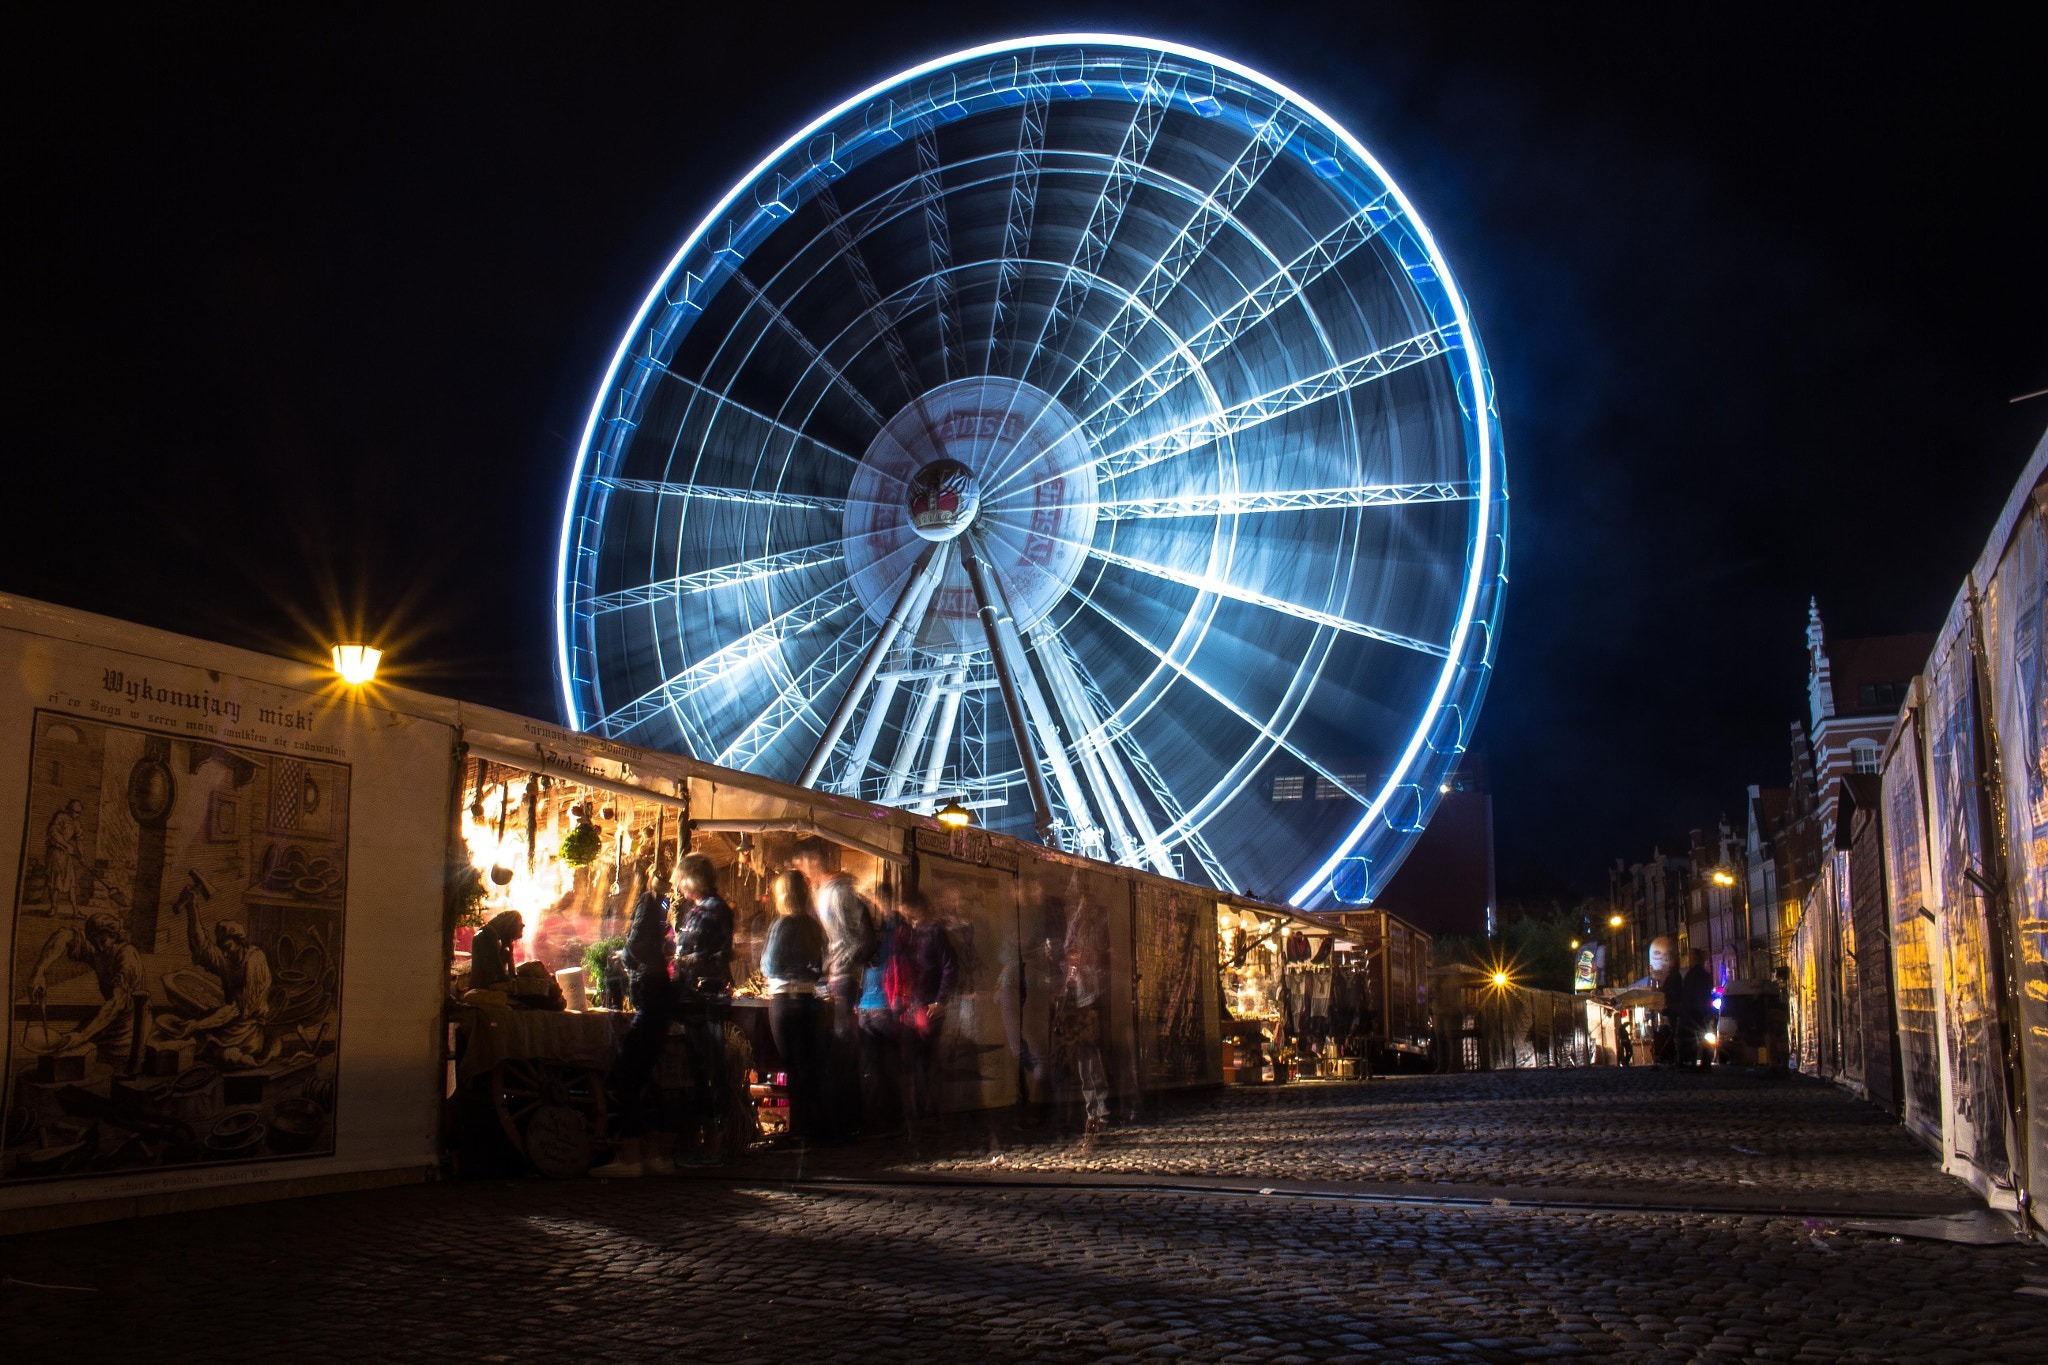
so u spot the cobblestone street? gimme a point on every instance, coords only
(1053, 1252)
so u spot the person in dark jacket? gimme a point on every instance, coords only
(1696, 1016)
(931, 974)
(793, 962)
(703, 985)
(490, 951)
(645, 955)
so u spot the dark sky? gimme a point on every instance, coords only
(307, 318)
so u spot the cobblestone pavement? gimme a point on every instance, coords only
(746, 1269)
(1728, 1137)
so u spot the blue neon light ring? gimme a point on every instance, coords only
(599, 673)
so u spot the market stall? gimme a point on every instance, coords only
(1295, 992)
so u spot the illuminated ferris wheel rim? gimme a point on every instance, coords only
(1466, 355)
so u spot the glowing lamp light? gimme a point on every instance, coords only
(1500, 978)
(1575, 943)
(953, 815)
(1723, 877)
(356, 664)
(1614, 921)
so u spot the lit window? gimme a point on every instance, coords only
(1863, 756)
(1328, 790)
(1287, 788)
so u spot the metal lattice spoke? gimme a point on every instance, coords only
(1282, 500)
(726, 575)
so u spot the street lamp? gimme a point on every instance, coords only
(1723, 877)
(1614, 921)
(356, 664)
(953, 815)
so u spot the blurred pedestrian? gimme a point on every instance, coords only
(794, 962)
(703, 987)
(1624, 1043)
(645, 955)
(849, 924)
(1078, 1008)
(931, 975)
(883, 983)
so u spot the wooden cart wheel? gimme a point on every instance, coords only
(553, 1113)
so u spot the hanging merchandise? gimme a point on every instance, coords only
(501, 875)
(582, 845)
(532, 818)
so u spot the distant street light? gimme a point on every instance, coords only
(1614, 921)
(1500, 978)
(1723, 877)
(953, 815)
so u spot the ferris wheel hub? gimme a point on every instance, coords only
(943, 498)
(994, 453)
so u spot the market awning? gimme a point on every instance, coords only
(533, 762)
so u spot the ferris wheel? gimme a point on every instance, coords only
(1081, 429)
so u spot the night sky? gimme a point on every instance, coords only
(307, 321)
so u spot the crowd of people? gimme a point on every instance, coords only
(857, 982)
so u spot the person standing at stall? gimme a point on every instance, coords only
(849, 947)
(793, 963)
(932, 972)
(703, 987)
(883, 1102)
(645, 955)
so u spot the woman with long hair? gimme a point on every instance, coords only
(793, 962)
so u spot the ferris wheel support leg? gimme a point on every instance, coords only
(870, 732)
(1005, 656)
(1079, 722)
(911, 742)
(1106, 769)
(949, 715)
(924, 577)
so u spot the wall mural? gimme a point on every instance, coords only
(176, 980)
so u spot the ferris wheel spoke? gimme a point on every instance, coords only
(1209, 690)
(1286, 500)
(1023, 209)
(1209, 583)
(1343, 378)
(1289, 282)
(803, 343)
(725, 575)
(1216, 209)
(1108, 213)
(856, 262)
(939, 240)
(727, 660)
(759, 497)
(721, 401)
(796, 697)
